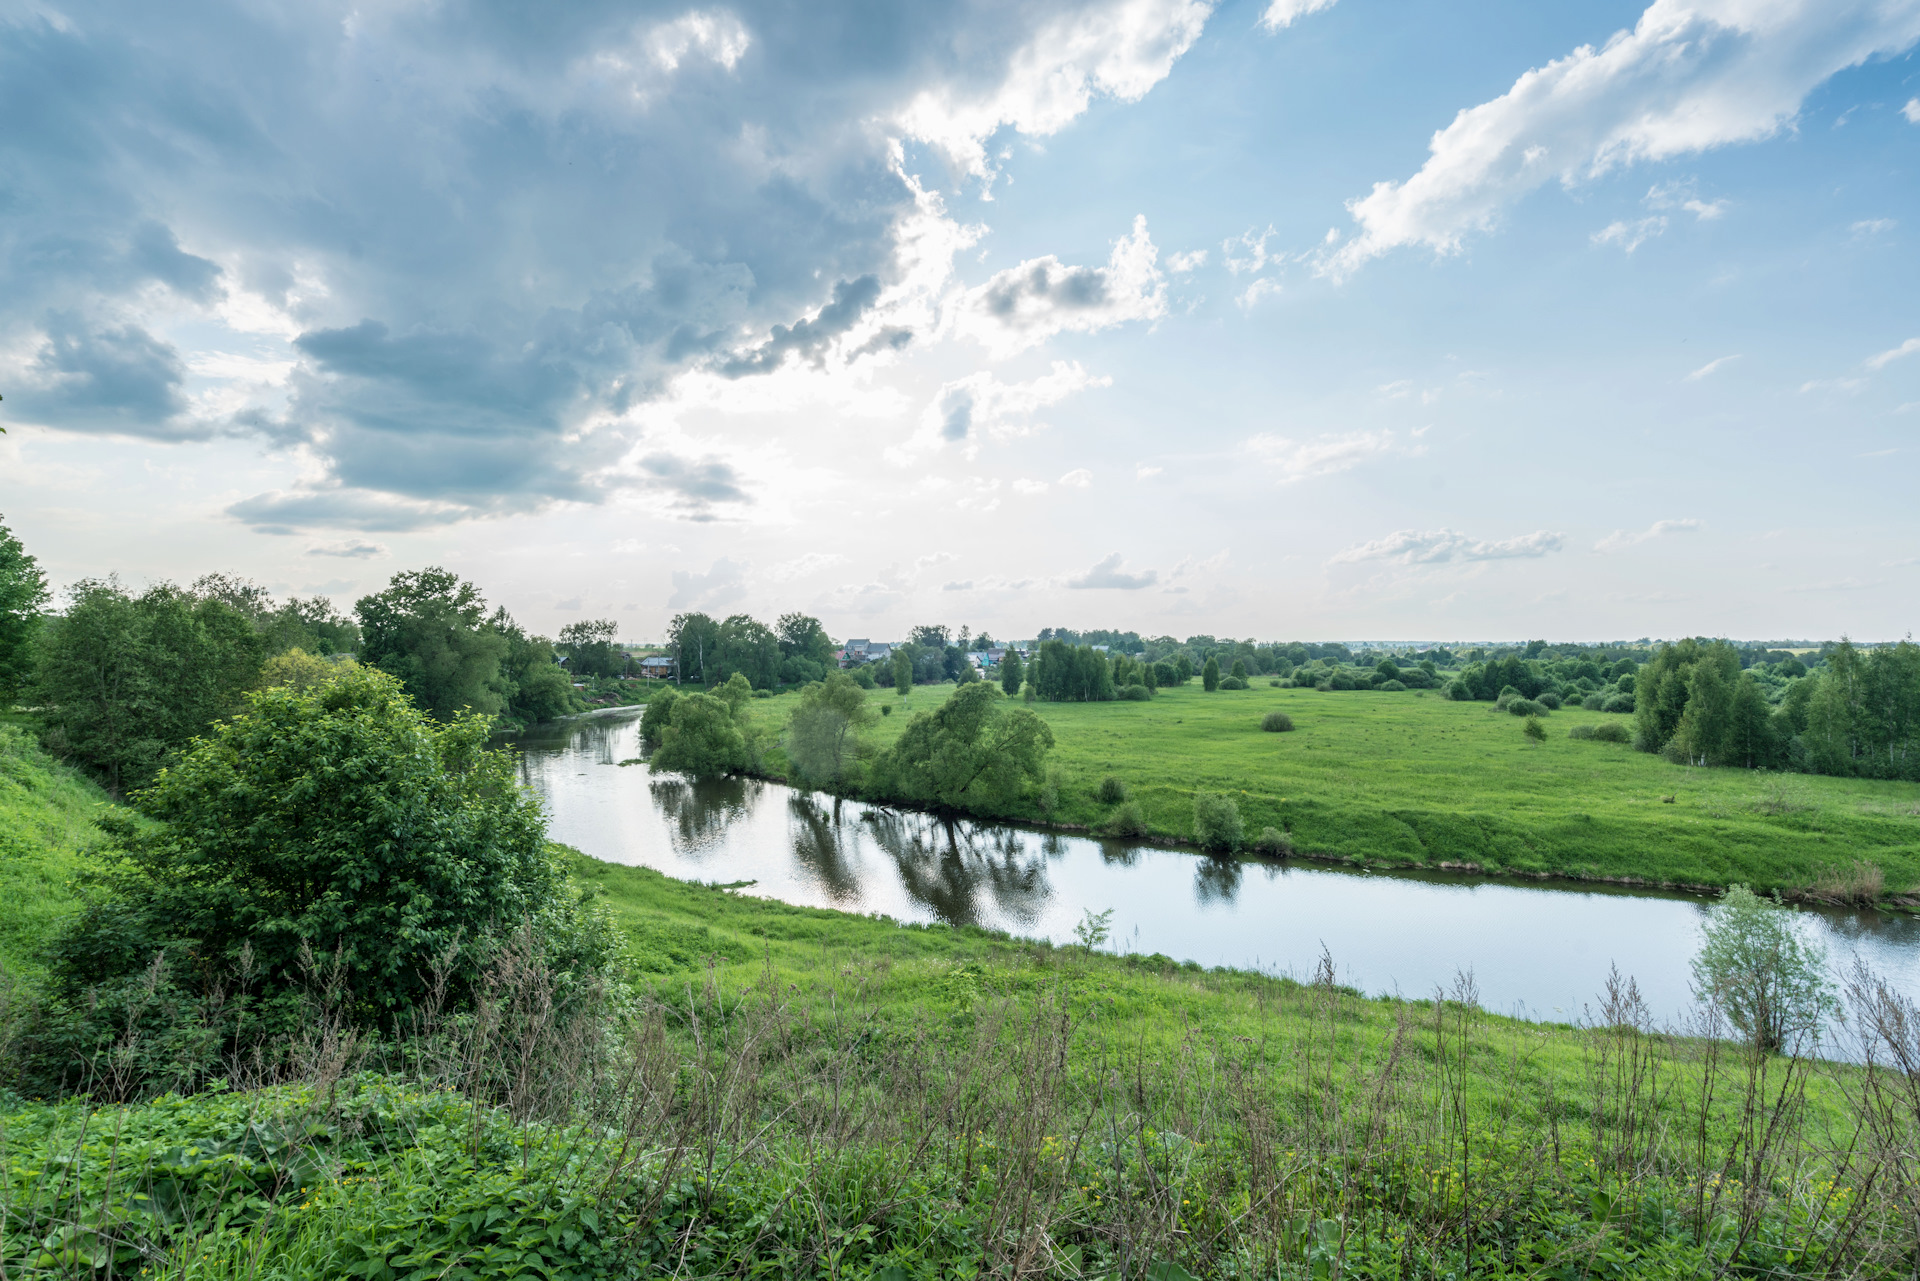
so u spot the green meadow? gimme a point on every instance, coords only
(1414, 779)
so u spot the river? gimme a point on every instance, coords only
(1539, 950)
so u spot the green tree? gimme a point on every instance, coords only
(902, 671)
(1210, 674)
(749, 648)
(1750, 741)
(312, 625)
(824, 733)
(127, 679)
(1239, 669)
(429, 629)
(973, 753)
(806, 651)
(23, 594)
(694, 640)
(590, 649)
(659, 714)
(532, 682)
(1183, 668)
(702, 738)
(338, 823)
(1700, 736)
(1755, 967)
(1011, 674)
(1216, 822)
(1535, 730)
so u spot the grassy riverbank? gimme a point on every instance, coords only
(788, 1091)
(1411, 780)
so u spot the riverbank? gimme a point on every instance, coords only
(1418, 781)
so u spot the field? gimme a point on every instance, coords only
(1414, 779)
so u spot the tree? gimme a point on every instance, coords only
(749, 647)
(429, 629)
(702, 738)
(825, 729)
(695, 642)
(1210, 674)
(534, 685)
(659, 714)
(1536, 732)
(1183, 668)
(1010, 674)
(127, 679)
(302, 672)
(929, 636)
(1239, 669)
(1755, 967)
(1750, 741)
(1216, 822)
(338, 823)
(590, 648)
(1700, 736)
(902, 671)
(312, 625)
(23, 594)
(806, 651)
(972, 753)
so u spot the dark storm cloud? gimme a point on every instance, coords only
(495, 224)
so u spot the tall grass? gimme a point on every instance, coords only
(744, 1125)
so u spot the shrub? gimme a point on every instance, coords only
(1216, 822)
(886, 709)
(1612, 732)
(1272, 842)
(1459, 691)
(1507, 695)
(862, 675)
(1127, 820)
(1581, 732)
(1550, 700)
(1135, 694)
(1526, 707)
(1535, 730)
(659, 713)
(1277, 682)
(1232, 682)
(1276, 722)
(1619, 703)
(1112, 791)
(1754, 966)
(1210, 675)
(702, 737)
(1340, 680)
(1391, 687)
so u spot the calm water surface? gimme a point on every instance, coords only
(1540, 951)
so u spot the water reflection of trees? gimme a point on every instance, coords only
(588, 740)
(1217, 879)
(820, 843)
(699, 813)
(963, 874)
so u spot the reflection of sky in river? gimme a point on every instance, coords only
(1539, 951)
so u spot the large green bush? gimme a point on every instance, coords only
(1216, 822)
(703, 736)
(972, 752)
(334, 836)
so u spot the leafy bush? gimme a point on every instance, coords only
(1507, 694)
(703, 737)
(1612, 732)
(1127, 820)
(824, 734)
(1232, 682)
(1526, 707)
(1535, 730)
(1276, 722)
(1277, 683)
(971, 752)
(1581, 732)
(1340, 680)
(1112, 791)
(1272, 842)
(1754, 967)
(1391, 687)
(1550, 700)
(861, 675)
(1459, 691)
(1619, 703)
(1135, 694)
(659, 713)
(1216, 822)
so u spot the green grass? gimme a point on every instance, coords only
(46, 831)
(1420, 781)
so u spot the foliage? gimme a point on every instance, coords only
(750, 650)
(659, 714)
(1273, 843)
(1535, 731)
(702, 737)
(23, 594)
(1126, 820)
(533, 684)
(1111, 790)
(47, 836)
(902, 672)
(824, 733)
(694, 640)
(1063, 673)
(429, 630)
(1862, 717)
(1011, 674)
(590, 649)
(302, 672)
(973, 752)
(1135, 694)
(1526, 707)
(1216, 822)
(1755, 967)
(1233, 682)
(127, 679)
(1210, 675)
(338, 823)
(1276, 722)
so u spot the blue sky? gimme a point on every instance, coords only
(1287, 319)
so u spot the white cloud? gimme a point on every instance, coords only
(980, 406)
(349, 549)
(1912, 111)
(1321, 456)
(1680, 195)
(1108, 574)
(1709, 367)
(1030, 487)
(1041, 297)
(724, 582)
(1439, 546)
(1691, 75)
(803, 565)
(1119, 50)
(1265, 287)
(1284, 13)
(1887, 357)
(1186, 260)
(1872, 226)
(1620, 538)
(1078, 478)
(1142, 471)
(1247, 252)
(1630, 235)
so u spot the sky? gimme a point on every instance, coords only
(1290, 319)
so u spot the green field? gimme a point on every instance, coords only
(1414, 779)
